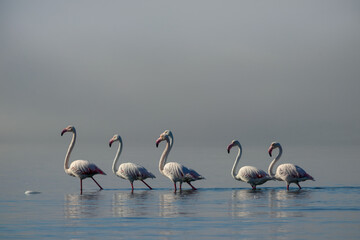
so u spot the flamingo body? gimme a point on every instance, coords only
(179, 173)
(291, 173)
(248, 174)
(129, 171)
(79, 168)
(252, 175)
(287, 172)
(132, 172)
(83, 169)
(174, 171)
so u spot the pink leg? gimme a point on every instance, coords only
(80, 186)
(191, 186)
(175, 187)
(146, 184)
(298, 185)
(180, 186)
(287, 187)
(132, 187)
(97, 183)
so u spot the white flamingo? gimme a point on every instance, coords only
(173, 170)
(129, 171)
(79, 168)
(287, 172)
(247, 174)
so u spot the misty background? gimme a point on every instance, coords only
(210, 71)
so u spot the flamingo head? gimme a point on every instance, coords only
(164, 136)
(69, 128)
(115, 138)
(272, 147)
(232, 144)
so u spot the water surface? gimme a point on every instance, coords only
(221, 207)
(210, 213)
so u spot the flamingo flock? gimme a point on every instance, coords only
(176, 172)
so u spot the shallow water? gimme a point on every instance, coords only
(328, 208)
(209, 213)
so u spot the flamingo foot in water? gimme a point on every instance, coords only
(298, 185)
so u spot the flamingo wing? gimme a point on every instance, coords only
(249, 173)
(191, 175)
(291, 171)
(84, 169)
(132, 171)
(174, 171)
(303, 174)
(143, 173)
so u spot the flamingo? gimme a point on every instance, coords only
(247, 174)
(287, 172)
(129, 171)
(79, 168)
(173, 170)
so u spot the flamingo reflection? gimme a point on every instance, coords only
(269, 203)
(79, 206)
(175, 204)
(130, 204)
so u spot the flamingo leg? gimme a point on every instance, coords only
(80, 186)
(298, 185)
(97, 183)
(253, 187)
(191, 186)
(175, 187)
(132, 187)
(146, 184)
(287, 187)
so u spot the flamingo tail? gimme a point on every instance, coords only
(310, 177)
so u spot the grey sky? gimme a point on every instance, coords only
(209, 70)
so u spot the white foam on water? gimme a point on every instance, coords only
(31, 192)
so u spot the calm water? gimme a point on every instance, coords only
(328, 208)
(312, 213)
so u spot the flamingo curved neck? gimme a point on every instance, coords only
(273, 162)
(164, 155)
(117, 157)
(67, 157)
(171, 137)
(233, 171)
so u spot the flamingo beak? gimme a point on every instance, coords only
(158, 141)
(270, 151)
(229, 147)
(63, 131)
(111, 141)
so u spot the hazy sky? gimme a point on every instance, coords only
(210, 71)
